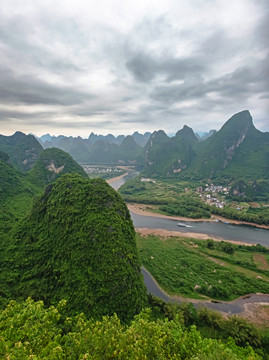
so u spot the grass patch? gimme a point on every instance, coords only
(182, 268)
(260, 261)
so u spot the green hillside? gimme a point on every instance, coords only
(182, 150)
(129, 150)
(251, 161)
(237, 151)
(23, 150)
(101, 149)
(78, 244)
(17, 189)
(51, 164)
(152, 154)
(16, 195)
(169, 156)
(102, 152)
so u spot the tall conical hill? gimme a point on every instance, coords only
(182, 146)
(78, 243)
(186, 133)
(129, 150)
(237, 149)
(17, 189)
(151, 151)
(166, 156)
(53, 163)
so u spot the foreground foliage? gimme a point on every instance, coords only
(212, 324)
(30, 331)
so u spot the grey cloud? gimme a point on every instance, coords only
(176, 93)
(260, 35)
(36, 119)
(22, 41)
(142, 67)
(265, 96)
(13, 114)
(239, 84)
(217, 45)
(161, 79)
(29, 90)
(83, 124)
(145, 68)
(88, 113)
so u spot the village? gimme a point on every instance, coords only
(213, 194)
(92, 169)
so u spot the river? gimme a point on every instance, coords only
(244, 233)
(248, 234)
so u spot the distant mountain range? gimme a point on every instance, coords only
(237, 151)
(100, 148)
(204, 135)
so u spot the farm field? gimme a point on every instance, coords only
(201, 269)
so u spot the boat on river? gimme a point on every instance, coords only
(183, 225)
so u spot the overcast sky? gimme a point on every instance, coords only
(112, 66)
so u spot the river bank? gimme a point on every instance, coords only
(144, 210)
(168, 233)
(114, 179)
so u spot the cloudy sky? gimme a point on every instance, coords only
(112, 66)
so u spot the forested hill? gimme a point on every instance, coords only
(78, 244)
(237, 150)
(17, 188)
(167, 156)
(51, 164)
(23, 150)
